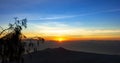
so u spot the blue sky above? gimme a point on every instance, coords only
(64, 14)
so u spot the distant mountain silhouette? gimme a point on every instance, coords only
(61, 55)
(57, 50)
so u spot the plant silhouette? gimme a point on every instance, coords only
(33, 44)
(11, 46)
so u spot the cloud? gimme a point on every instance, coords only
(99, 12)
(52, 17)
(56, 17)
(43, 17)
(61, 29)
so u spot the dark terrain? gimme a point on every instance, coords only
(61, 55)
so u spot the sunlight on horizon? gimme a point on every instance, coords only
(59, 39)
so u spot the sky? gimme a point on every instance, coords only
(65, 19)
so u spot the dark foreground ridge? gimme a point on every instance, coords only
(61, 55)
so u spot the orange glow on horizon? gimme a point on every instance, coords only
(73, 38)
(63, 39)
(59, 39)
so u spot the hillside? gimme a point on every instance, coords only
(61, 55)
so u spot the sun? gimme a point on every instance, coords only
(60, 39)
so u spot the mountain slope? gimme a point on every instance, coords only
(61, 55)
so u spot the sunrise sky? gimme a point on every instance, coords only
(65, 19)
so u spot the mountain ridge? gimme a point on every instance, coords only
(62, 55)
